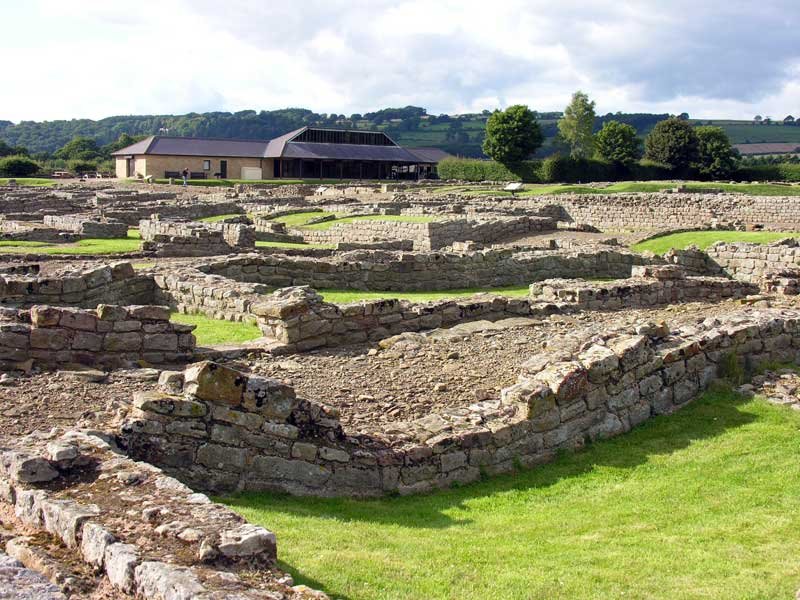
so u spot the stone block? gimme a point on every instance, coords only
(222, 457)
(65, 519)
(45, 316)
(120, 561)
(49, 339)
(122, 342)
(248, 541)
(215, 383)
(149, 312)
(160, 341)
(299, 471)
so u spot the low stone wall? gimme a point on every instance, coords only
(750, 262)
(638, 291)
(401, 271)
(300, 319)
(145, 534)
(191, 238)
(88, 226)
(641, 212)
(230, 431)
(116, 283)
(107, 336)
(428, 236)
(30, 231)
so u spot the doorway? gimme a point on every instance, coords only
(223, 169)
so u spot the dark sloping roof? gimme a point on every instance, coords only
(347, 152)
(139, 147)
(769, 148)
(179, 146)
(275, 147)
(429, 155)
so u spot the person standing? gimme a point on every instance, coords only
(185, 174)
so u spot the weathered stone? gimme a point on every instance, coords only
(120, 561)
(247, 541)
(95, 539)
(215, 383)
(65, 518)
(164, 404)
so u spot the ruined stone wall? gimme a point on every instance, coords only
(651, 211)
(389, 271)
(34, 232)
(116, 283)
(106, 336)
(230, 431)
(639, 291)
(428, 236)
(190, 238)
(751, 262)
(88, 225)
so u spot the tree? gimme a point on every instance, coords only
(82, 166)
(18, 166)
(577, 124)
(6, 150)
(757, 119)
(716, 158)
(672, 142)
(512, 135)
(79, 148)
(788, 120)
(617, 143)
(684, 116)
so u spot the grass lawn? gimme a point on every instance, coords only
(703, 504)
(88, 246)
(210, 331)
(539, 189)
(344, 296)
(300, 219)
(34, 181)
(703, 239)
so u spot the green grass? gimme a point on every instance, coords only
(749, 132)
(541, 189)
(210, 332)
(232, 182)
(704, 504)
(703, 239)
(345, 296)
(88, 246)
(33, 181)
(301, 219)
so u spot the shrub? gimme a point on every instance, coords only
(716, 158)
(672, 142)
(18, 166)
(468, 169)
(82, 166)
(778, 172)
(565, 169)
(512, 135)
(617, 143)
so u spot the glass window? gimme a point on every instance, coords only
(206, 165)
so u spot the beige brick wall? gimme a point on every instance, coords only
(156, 165)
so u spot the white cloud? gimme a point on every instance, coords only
(732, 60)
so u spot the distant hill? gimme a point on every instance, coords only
(461, 135)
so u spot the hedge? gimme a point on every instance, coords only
(564, 169)
(470, 169)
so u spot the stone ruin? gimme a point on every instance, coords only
(607, 339)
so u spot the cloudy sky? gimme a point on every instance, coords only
(718, 58)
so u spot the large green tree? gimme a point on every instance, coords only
(716, 158)
(577, 124)
(512, 135)
(79, 148)
(617, 143)
(672, 142)
(18, 166)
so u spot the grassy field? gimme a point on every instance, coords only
(541, 189)
(34, 181)
(703, 504)
(703, 239)
(218, 218)
(294, 245)
(232, 182)
(742, 133)
(344, 296)
(300, 220)
(210, 332)
(88, 246)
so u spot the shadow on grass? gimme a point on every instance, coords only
(707, 417)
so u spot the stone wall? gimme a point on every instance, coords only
(191, 238)
(651, 211)
(641, 290)
(428, 236)
(116, 283)
(406, 271)
(751, 262)
(301, 320)
(108, 335)
(143, 533)
(88, 226)
(230, 431)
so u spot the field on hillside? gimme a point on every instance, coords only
(703, 504)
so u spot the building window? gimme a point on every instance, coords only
(206, 165)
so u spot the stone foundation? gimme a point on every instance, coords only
(88, 226)
(230, 431)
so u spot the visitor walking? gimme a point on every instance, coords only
(185, 174)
